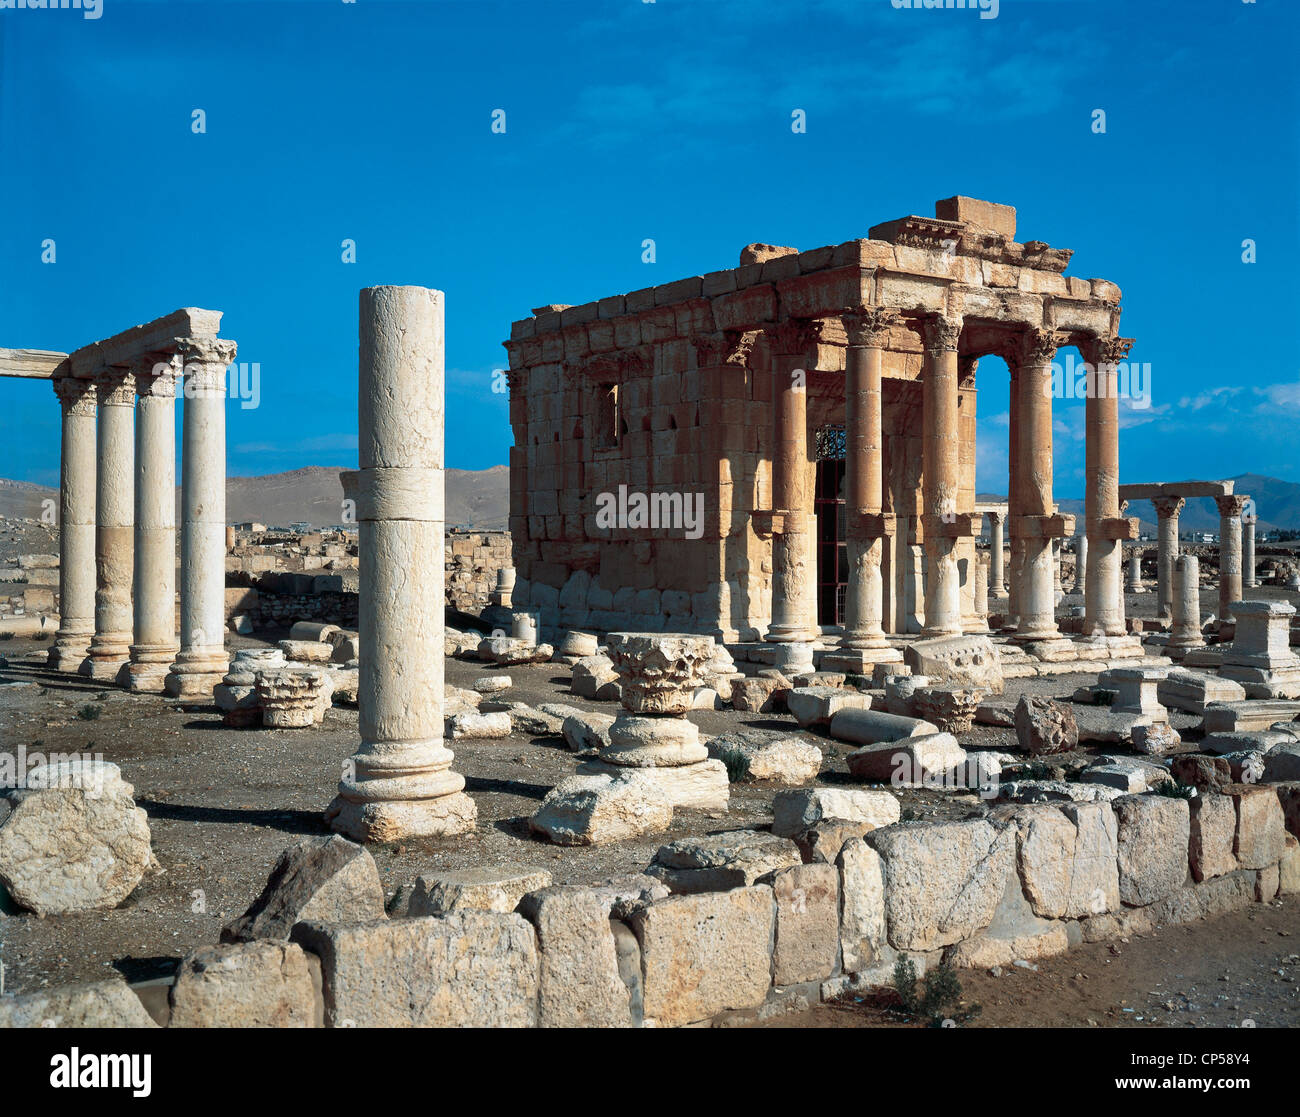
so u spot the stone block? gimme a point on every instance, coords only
(807, 944)
(1154, 836)
(794, 812)
(263, 984)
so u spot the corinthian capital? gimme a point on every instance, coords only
(942, 332)
(1167, 506)
(78, 397)
(1099, 351)
(1230, 506)
(1036, 346)
(868, 327)
(115, 387)
(793, 337)
(205, 361)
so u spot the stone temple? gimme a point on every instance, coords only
(817, 409)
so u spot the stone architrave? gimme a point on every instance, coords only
(77, 512)
(114, 533)
(154, 647)
(1168, 509)
(202, 660)
(399, 784)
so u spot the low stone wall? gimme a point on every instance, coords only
(473, 559)
(1025, 882)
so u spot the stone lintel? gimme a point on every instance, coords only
(1122, 527)
(953, 525)
(1045, 527)
(33, 364)
(872, 525)
(1175, 488)
(131, 345)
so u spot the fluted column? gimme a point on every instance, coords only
(1103, 604)
(863, 482)
(77, 500)
(793, 578)
(154, 647)
(997, 577)
(114, 513)
(1168, 509)
(1248, 578)
(399, 784)
(202, 659)
(940, 480)
(1037, 596)
(1229, 553)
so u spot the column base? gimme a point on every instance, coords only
(195, 674)
(146, 678)
(102, 668)
(939, 631)
(788, 634)
(378, 822)
(860, 661)
(793, 658)
(68, 655)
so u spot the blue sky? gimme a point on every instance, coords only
(625, 120)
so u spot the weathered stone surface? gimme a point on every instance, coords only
(703, 786)
(816, 705)
(1045, 727)
(1261, 827)
(986, 951)
(261, 984)
(951, 708)
(1157, 739)
(1125, 773)
(863, 930)
(757, 695)
(793, 812)
(659, 671)
(720, 862)
(706, 953)
(1154, 833)
(478, 726)
(492, 684)
(482, 888)
(1213, 827)
(583, 731)
(579, 981)
(653, 742)
(969, 661)
(1289, 868)
(594, 677)
(1068, 859)
(527, 722)
(821, 844)
(95, 1004)
(807, 923)
(943, 880)
(772, 756)
(593, 809)
(868, 727)
(1282, 762)
(74, 840)
(470, 969)
(933, 757)
(1055, 791)
(1206, 773)
(326, 880)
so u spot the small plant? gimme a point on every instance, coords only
(39, 636)
(737, 765)
(1034, 770)
(907, 814)
(89, 712)
(937, 999)
(1172, 789)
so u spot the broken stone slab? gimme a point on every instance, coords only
(794, 812)
(1159, 739)
(964, 661)
(527, 722)
(1213, 821)
(73, 840)
(510, 652)
(306, 651)
(466, 969)
(720, 862)
(328, 880)
(1282, 763)
(702, 786)
(1236, 717)
(1055, 791)
(758, 695)
(261, 984)
(584, 730)
(479, 726)
(816, 705)
(706, 953)
(1105, 726)
(943, 880)
(93, 1004)
(1205, 773)
(923, 761)
(1154, 832)
(867, 727)
(998, 713)
(1045, 727)
(479, 889)
(594, 677)
(1129, 775)
(1260, 740)
(597, 808)
(1192, 691)
(1067, 859)
(821, 843)
(771, 755)
(492, 684)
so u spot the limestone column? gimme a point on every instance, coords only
(1103, 604)
(793, 578)
(1135, 572)
(202, 660)
(1080, 564)
(940, 479)
(1248, 579)
(154, 648)
(1167, 512)
(981, 594)
(1229, 553)
(1037, 597)
(1015, 509)
(863, 481)
(997, 579)
(399, 784)
(114, 512)
(1058, 558)
(77, 500)
(1186, 632)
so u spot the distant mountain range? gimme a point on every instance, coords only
(314, 495)
(481, 499)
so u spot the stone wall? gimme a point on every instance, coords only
(473, 559)
(1026, 882)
